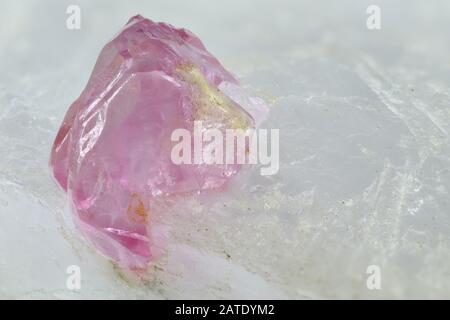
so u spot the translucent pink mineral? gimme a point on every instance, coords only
(112, 152)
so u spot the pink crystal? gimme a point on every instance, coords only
(112, 152)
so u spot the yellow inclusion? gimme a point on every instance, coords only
(136, 209)
(210, 103)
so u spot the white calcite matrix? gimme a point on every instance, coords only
(364, 178)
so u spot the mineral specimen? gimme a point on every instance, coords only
(112, 152)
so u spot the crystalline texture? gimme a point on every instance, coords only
(112, 152)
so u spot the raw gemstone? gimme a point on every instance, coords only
(112, 152)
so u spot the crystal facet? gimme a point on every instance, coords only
(112, 152)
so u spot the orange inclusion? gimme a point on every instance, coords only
(136, 209)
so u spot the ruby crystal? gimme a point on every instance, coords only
(112, 152)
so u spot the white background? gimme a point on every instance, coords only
(364, 119)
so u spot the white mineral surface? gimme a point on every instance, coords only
(364, 179)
